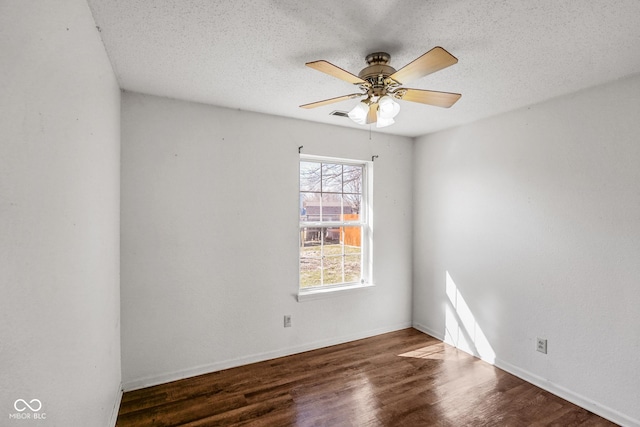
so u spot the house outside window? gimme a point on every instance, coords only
(334, 239)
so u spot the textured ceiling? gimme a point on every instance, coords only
(250, 55)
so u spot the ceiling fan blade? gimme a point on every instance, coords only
(434, 60)
(372, 117)
(332, 70)
(431, 97)
(331, 100)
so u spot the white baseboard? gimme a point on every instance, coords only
(259, 357)
(116, 406)
(429, 331)
(571, 396)
(566, 394)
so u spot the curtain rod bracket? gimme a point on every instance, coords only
(300, 149)
(374, 157)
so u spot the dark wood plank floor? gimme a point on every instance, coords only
(403, 378)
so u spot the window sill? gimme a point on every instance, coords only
(313, 294)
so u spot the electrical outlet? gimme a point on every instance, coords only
(541, 345)
(287, 320)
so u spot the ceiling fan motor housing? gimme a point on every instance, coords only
(377, 71)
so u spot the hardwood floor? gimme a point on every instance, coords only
(403, 378)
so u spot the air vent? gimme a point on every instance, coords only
(339, 113)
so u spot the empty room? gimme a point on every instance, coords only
(282, 213)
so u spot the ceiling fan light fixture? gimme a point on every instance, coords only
(387, 107)
(359, 113)
(382, 122)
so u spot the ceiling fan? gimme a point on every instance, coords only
(381, 84)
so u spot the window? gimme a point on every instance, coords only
(334, 223)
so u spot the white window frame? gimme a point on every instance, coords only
(366, 238)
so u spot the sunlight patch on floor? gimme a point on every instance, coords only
(435, 352)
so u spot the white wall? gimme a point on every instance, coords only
(59, 216)
(535, 217)
(209, 238)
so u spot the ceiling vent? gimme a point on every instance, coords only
(339, 113)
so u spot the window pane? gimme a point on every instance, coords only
(309, 176)
(352, 207)
(331, 207)
(351, 238)
(352, 179)
(310, 257)
(331, 178)
(332, 269)
(310, 237)
(309, 207)
(352, 268)
(331, 237)
(310, 272)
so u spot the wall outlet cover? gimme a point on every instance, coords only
(541, 345)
